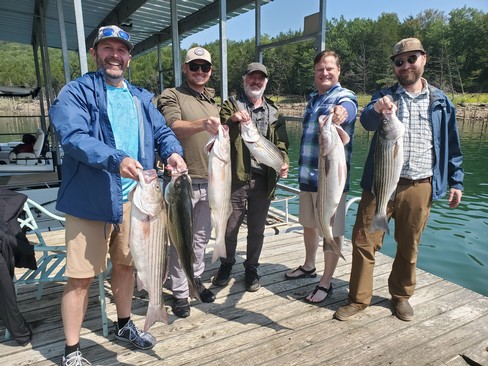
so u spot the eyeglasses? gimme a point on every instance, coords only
(204, 67)
(410, 59)
(110, 31)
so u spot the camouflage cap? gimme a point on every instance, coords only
(407, 45)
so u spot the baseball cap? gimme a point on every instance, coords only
(407, 45)
(256, 66)
(198, 53)
(113, 32)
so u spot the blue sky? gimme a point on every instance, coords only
(284, 15)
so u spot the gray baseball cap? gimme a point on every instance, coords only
(256, 66)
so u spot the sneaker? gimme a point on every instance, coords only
(181, 308)
(252, 279)
(74, 359)
(130, 333)
(205, 294)
(222, 277)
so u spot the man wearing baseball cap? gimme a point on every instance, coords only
(432, 161)
(253, 184)
(191, 112)
(109, 130)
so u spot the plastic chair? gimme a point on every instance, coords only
(52, 262)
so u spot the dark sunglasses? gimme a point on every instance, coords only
(410, 59)
(204, 67)
(109, 31)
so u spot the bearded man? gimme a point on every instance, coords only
(253, 184)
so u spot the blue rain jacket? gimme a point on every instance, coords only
(91, 184)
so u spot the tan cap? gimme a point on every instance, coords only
(407, 45)
(198, 53)
(113, 32)
(256, 66)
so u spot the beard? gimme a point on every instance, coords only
(253, 93)
(409, 77)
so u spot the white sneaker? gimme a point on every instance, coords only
(74, 359)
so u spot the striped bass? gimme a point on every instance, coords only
(332, 177)
(148, 242)
(219, 186)
(263, 150)
(178, 196)
(388, 162)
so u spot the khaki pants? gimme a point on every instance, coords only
(410, 210)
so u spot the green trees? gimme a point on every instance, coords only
(456, 48)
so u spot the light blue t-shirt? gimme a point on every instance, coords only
(123, 118)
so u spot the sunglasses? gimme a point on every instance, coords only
(410, 59)
(109, 32)
(204, 67)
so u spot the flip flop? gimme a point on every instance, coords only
(328, 291)
(305, 274)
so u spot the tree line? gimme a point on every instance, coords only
(456, 46)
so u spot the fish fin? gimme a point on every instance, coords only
(155, 313)
(379, 222)
(140, 284)
(343, 135)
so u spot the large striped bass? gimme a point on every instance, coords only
(388, 162)
(178, 196)
(219, 186)
(332, 177)
(263, 150)
(148, 242)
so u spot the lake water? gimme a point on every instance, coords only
(454, 245)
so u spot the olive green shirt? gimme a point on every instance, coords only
(185, 104)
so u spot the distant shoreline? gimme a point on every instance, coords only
(464, 111)
(24, 107)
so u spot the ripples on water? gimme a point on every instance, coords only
(454, 244)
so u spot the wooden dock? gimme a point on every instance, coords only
(273, 326)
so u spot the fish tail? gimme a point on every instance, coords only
(155, 313)
(379, 222)
(332, 243)
(193, 289)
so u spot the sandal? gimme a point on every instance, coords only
(305, 274)
(328, 291)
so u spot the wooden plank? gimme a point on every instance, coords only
(273, 325)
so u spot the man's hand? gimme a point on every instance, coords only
(385, 105)
(128, 168)
(454, 197)
(211, 124)
(339, 114)
(284, 171)
(176, 164)
(240, 116)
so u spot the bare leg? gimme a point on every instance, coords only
(73, 307)
(311, 240)
(122, 284)
(330, 259)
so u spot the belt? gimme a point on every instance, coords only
(412, 182)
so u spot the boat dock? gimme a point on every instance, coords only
(272, 326)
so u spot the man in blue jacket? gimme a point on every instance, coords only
(108, 130)
(432, 163)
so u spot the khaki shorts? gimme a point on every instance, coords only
(89, 241)
(308, 214)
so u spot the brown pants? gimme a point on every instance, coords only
(410, 209)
